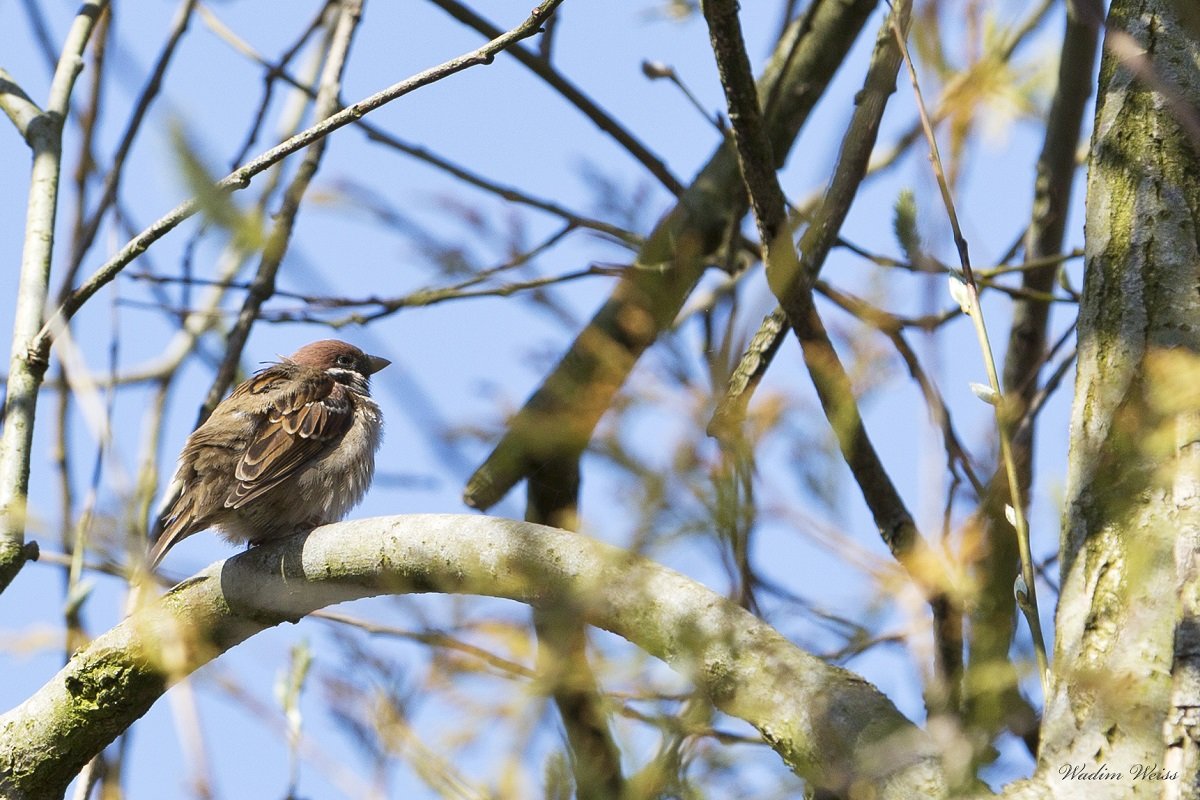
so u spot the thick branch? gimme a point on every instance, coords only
(1123, 680)
(553, 499)
(829, 725)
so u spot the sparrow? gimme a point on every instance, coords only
(290, 449)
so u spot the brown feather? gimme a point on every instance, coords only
(298, 428)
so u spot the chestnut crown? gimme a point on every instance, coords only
(327, 354)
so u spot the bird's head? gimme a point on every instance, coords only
(344, 362)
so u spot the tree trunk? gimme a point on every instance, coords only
(1125, 682)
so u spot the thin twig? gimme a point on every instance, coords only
(542, 67)
(386, 306)
(1026, 594)
(86, 232)
(240, 178)
(891, 327)
(380, 136)
(342, 24)
(432, 638)
(76, 532)
(992, 681)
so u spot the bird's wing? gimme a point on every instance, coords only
(304, 417)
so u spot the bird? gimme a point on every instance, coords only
(290, 449)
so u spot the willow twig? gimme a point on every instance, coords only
(1025, 590)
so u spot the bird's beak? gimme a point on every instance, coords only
(377, 363)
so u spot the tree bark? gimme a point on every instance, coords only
(1130, 524)
(26, 368)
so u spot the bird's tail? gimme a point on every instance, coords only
(170, 524)
(165, 540)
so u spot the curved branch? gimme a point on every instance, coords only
(829, 725)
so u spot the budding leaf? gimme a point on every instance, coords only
(904, 223)
(985, 393)
(656, 69)
(1021, 590)
(217, 205)
(958, 291)
(290, 684)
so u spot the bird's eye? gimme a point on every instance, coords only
(345, 361)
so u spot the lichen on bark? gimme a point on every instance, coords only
(1128, 516)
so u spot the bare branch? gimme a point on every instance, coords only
(540, 66)
(829, 725)
(17, 105)
(791, 280)
(343, 22)
(27, 364)
(991, 678)
(86, 232)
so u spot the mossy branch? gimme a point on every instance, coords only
(829, 725)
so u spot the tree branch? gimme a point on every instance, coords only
(17, 105)
(995, 700)
(791, 280)
(343, 21)
(559, 418)
(540, 65)
(829, 725)
(553, 499)
(240, 177)
(27, 365)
